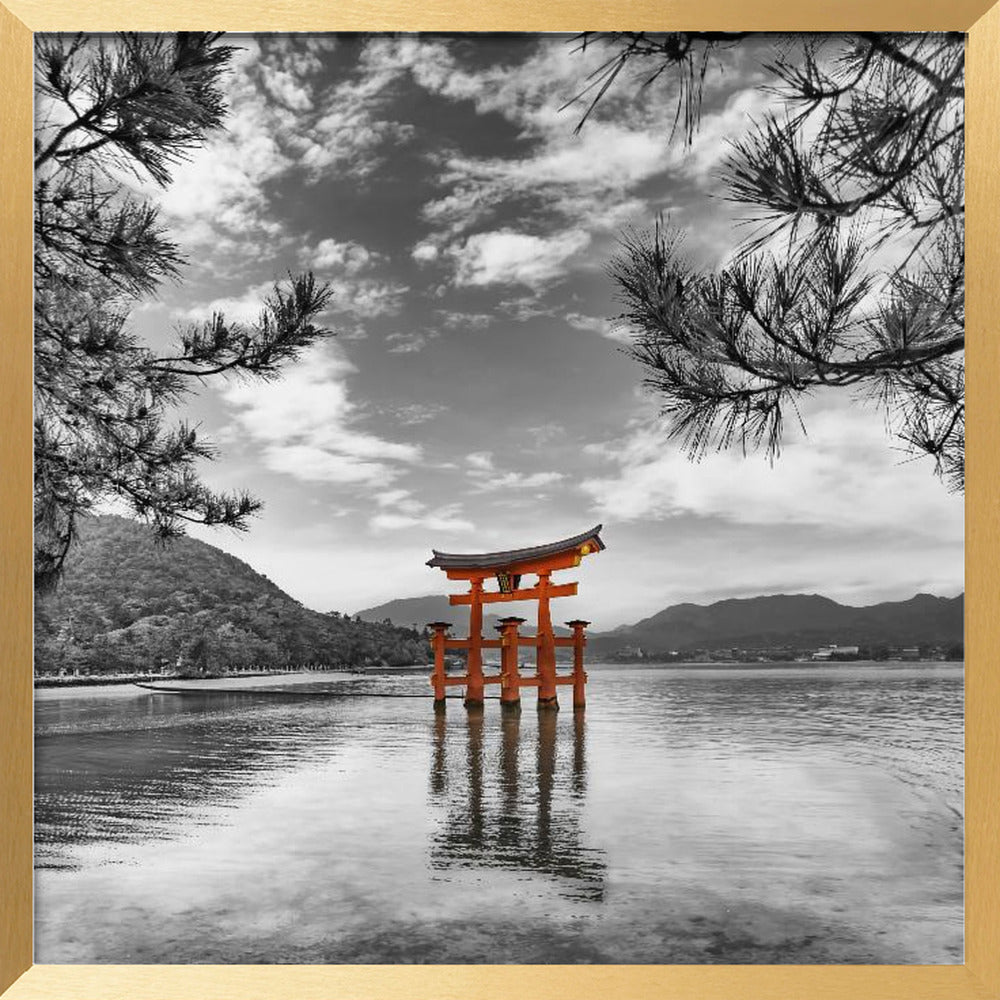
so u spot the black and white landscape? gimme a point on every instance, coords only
(363, 297)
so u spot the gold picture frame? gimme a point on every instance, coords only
(979, 977)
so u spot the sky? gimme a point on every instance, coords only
(476, 395)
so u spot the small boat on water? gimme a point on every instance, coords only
(302, 692)
(270, 692)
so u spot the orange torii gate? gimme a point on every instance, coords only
(508, 568)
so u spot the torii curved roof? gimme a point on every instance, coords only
(498, 560)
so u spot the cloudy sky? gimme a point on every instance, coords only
(476, 396)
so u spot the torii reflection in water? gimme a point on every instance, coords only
(509, 818)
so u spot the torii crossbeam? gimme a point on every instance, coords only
(508, 568)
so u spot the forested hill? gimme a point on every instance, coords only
(127, 603)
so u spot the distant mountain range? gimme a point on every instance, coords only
(418, 611)
(797, 620)
(421, 610)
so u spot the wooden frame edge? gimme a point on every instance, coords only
(979, 977)
(464, 982)
(512, 15)
(15, 502)
(982, 673)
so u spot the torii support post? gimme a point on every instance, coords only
(546, 649)
(474, 670)
(579, 674)
(437, 677)
(510, 673)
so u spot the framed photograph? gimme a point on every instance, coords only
(610, 612)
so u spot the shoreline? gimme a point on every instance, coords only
(98, 680)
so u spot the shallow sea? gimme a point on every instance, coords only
(760, 814)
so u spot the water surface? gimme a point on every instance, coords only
(740, 815)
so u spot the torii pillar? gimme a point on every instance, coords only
(578, 625)
(546, 648)
(510, 671)
(474, 660)
(438, 640)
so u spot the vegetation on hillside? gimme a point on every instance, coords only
(127, 603)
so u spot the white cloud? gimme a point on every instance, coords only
(604, 156)
(280, 121)
(349, 257)
(588, 178)
(610, 329)
(406, 343)
(244, 308)
(321, 465)
(470, 199)
(400, 510)
(542, 435)
(301, 55)
(283, 85)
(843, 476)
(401, 500)
(525, 307)
(217, 195)
(465, 321)
(307, 424)
(487, 477)
(357, 297)
(351, 133)
(366, 298)
(341, 264)
(509, 258)
(597, 179)
(481, 461)
(712, 142)
(346, 139)
(425, 252)
(519, 480)
(414, 413)
(446, 518)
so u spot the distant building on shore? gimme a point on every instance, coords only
(835, 652)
